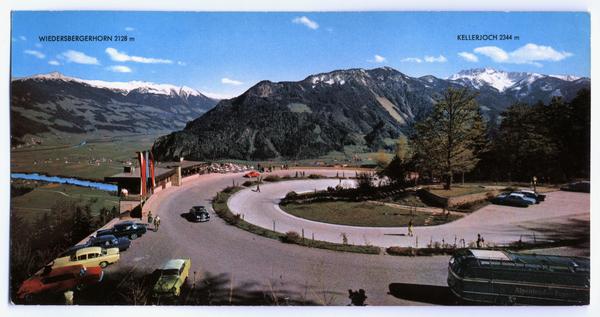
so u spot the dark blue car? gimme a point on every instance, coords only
(128, 229)
(110, 241)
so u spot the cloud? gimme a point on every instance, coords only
(35, 53)
(119, 69)
(497, 54)
(412, 60)
(469, 57)
(378, 59)
(228, 81)
(22, 38)
(306, 22)
(527, 54)
(117, 56)
(78, 57)
(180, 63)
(433, 59)
(54, 62)
(218, 95)
(129, 29)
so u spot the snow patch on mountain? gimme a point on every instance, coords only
(500, 80)
(124, 87)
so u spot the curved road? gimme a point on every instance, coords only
(244, 262)
(497, 224)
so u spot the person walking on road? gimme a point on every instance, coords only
(410, 228)
(149, 216)
(479, 240)
(156, 223)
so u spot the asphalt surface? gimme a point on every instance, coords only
(244, 262)
(497, 224)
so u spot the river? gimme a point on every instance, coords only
(65, 180)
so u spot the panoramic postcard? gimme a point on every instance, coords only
(299, 158)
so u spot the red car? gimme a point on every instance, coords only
(252, 174)
(59, 280)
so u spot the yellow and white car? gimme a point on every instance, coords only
(172, 277)
(92, 256)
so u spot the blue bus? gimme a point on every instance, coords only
(509, 278)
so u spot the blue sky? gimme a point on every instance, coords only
(225, 53)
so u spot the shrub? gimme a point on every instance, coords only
(315, 176)
(364, 181)
(287, 176)
(290, 237)
(291, 195)
(248, 183)
(272, 178)
(230, 189)
(403, 251)
(510, 189)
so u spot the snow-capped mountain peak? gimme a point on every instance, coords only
(498, 79)
(502, 80)
(123, 87)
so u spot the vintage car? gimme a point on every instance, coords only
(513, 199)
(90, 256)
(197, 214)
(70, 251)
(581, 186)
(58, 280)
(110, 241)
(172, 277)
(129, 229)
(252, 174)
(508, 278)
(532, 194)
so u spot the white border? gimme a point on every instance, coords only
(291, 5)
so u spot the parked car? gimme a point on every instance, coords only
(58, 280)
(70, 251)
(110, 241)
(252, 174)
(172, 276)
(129, 229)
(532, 194)
(581, 186)
(90, 256)
(197, 214)
(513, 199)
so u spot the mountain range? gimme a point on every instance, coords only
(61, 106)
(363, 109)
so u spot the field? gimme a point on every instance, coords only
(34, 204)
(364, 214)
(87, 159)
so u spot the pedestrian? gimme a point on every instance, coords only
(156, 223)
(258, 187)
(479, 240)
(149, 216)
(410, 228)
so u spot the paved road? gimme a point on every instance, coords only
(251, 262)
(248, 262)
(497, 224)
